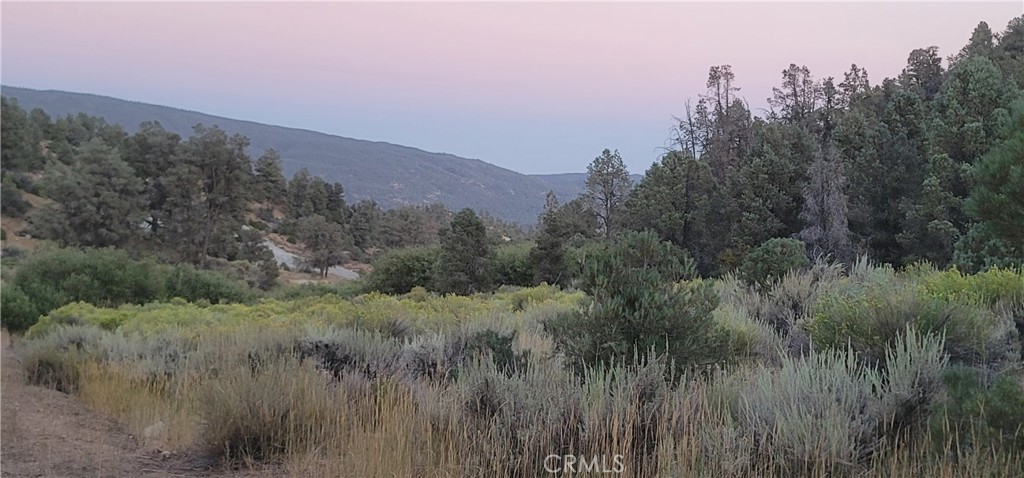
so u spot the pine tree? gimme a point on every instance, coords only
(324, 242)
(270, 183)
(679, 199)
(608, 185)
(209, 188)
(98, 203)
(152, 151)
(464, 265)
(561, 226)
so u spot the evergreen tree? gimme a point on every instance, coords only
(1010, 51)
(997, 200)
(335, 209)
(561, 226)
(464, 265)
(923, 72)
(209, 188)
(11, 201)
(365, 223)
(98, 203)
(678, 199)
(20, 149)
(799, 95)
(300, 195)
(324, 242)
(152, 151)
(270, 183)
(608, 185)
(935, 220)
(634, 305)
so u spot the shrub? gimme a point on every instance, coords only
(13, 253)
(596, 263)
(277, 409)
(975, 413)
(193, 285)
(511, 265)
(826, 412)
(345, 290)
(17, 312)
(748, 336)
(104, 277)
(517, 420)
(342, 351)
(56, 361)
(498, 346)
(989, 288)
(869, 319)
(634, 305)
(772, 260)
(110, 278)
(398, 271)
(11, 202)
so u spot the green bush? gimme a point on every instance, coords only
(596, 264)
(869, 318)
(976, 413)
(511, 265)
(345, 290)
(11, 202)
(193, 285)
(398, 271)
(17, 312)
(634, 305)
(772, 260)
(106, 278)
(989, 288)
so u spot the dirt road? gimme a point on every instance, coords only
(44, 432)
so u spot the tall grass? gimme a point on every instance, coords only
(326, 387)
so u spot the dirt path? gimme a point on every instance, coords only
(44, 432)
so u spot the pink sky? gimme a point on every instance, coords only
(539, 87)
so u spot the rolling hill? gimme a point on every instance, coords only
(391, 174)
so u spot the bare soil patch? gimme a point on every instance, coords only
(44, 432)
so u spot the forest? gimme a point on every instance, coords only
(833, 287)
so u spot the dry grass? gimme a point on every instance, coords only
(484, 424)
(425, 404)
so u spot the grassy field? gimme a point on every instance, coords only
(870, 372)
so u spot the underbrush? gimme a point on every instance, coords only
(922, 384)
(107, 278)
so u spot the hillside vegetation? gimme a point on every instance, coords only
(421, 385)
(390, 174)
(836, 289)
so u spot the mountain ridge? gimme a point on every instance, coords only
(391, 174)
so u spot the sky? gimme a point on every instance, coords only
(532, 87)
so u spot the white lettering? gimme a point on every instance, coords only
(620, 464)
(592, 466)
(552, 469)
(570, 464)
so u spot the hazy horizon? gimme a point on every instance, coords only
(536, 88)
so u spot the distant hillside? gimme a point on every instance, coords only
(569, 185)
(391, 174)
